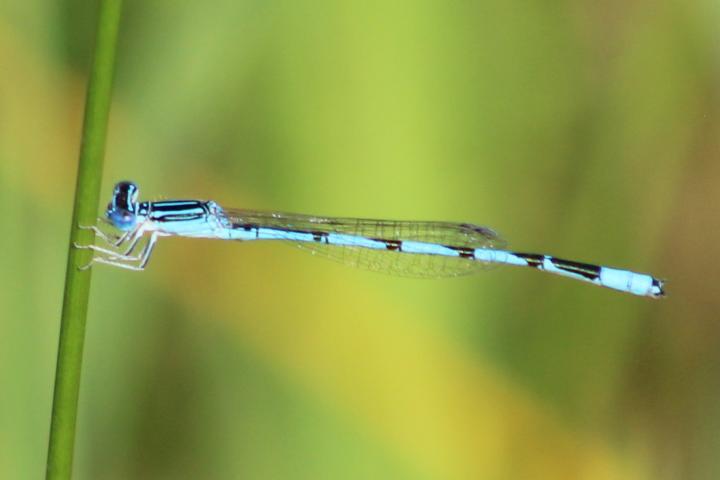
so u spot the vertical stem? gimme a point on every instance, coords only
(77, 283)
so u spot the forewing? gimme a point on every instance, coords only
(460, 235)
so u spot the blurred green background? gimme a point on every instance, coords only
(583, 129)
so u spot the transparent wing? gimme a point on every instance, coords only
(397, 263)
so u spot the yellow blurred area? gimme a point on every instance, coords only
(590, 131)
(415, 391)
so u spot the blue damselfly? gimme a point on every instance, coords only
(416, 249)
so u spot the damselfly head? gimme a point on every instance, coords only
(122, 209)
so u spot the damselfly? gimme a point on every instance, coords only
(416, 249)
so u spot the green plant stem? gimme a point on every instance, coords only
(77, 283)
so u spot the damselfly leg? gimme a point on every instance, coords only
(109, 238)
(119, 259)
(121, 253)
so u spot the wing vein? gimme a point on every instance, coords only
(454, 235)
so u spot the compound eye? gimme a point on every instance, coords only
(121, 219)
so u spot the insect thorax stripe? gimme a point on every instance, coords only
(175, 206)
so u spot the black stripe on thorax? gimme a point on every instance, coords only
(178, 211)
(174, 206)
